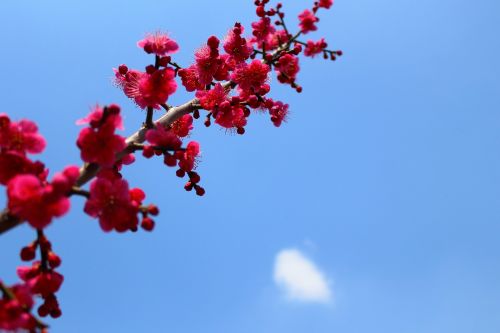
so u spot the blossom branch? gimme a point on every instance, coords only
(90, 170)
(110, 199)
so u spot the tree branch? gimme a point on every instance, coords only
(8, 221)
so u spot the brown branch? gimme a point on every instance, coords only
(8, 221)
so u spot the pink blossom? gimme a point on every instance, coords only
(111, 202)
(230, 116)
(99, 146)
(308, 21)
(163, 137)
(148, 90)
(276, 39)
(272, 40)
(262, 29)
(226, 64)
(210, 99)
(14, 313)
(314, 48)
(251, 77)
(187, 158)
(182, 126)
(96, 117)
(325, 3)
(236, 46)
(37, 202)
(190, 79)
(287, 68)
(21, 136)
(207, 61)
(46, 283)
(13, 163)
(158, 43)
(99, 143)
(278, 111)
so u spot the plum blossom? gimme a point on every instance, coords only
(158, 43)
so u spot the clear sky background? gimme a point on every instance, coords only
(385, 182)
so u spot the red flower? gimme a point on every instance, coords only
(262, 29)
(13, 163)
(14, 313)
(182, 126)
(163, 137)
(26, 273)
(276, 39)
(325, 3)
(230, 116)
(99, 143)
(37, 202)
(159, 44)
(226, 64)
(207, 61)
(20, 136)
(147, 90)
(111, 201)
(307, 21)
(96, 117)
(25, 195)
(236, 46)
(314, 48)
(99, 146)
(190, 79)
(278, 111)
(210, 99)
(64, 181)
(46, 283)
(287, 68)
(187, 158)
(250, 77)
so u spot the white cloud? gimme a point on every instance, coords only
(300, 278)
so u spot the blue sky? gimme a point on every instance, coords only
(385, 177)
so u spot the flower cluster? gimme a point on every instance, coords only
(236, 46)
(208, 66)
(219, 68)
(17, 139)
(110, 199)
(308, 21)
(229, 77)
(159, 44)
(280, 51)
(15, 307)
(41, 277)
(313, 48)
(30, 196)
(167, 141)
(98, 142)
(38, 201)
(278, 111)
(149, 89)
(116, 205)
